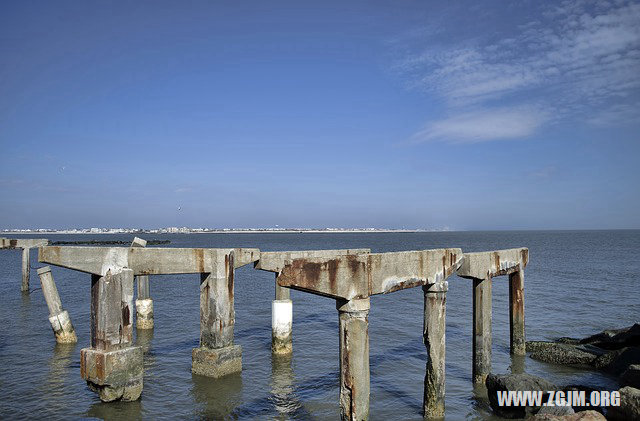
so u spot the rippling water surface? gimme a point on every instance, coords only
(577, 283)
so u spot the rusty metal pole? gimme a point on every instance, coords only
(217, 356)
(26, 269)
(354, 358)
(112, 366)
(281, 321)
(516, 312)
(481, 329)
(434, 340)
(59, 318)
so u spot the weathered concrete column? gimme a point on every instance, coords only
(144, 304)
(354, 358)
(59, 318)
(281, 321)
(217, 356)
(26, 269)
(434, 340)
(112, 367)
(516, 312)
(481, 329)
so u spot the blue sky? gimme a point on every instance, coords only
(476, 115)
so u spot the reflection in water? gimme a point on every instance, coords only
(59, 364)
(143, 339)
(282, 386)
(116, 410)
(216, 398)
(517, 364)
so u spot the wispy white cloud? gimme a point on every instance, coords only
(579, 58)
(482, 126)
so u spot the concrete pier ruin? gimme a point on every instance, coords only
(282, 306)
(59, 318)
(351, 280)
(481, 268)
(26, 244)
(112, 366)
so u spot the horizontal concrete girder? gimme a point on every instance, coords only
(22, 243)
(145, 261)
(488, 264)
(360, 276)
(273, 261)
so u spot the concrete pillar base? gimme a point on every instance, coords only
(281, 322)
(217, 362)
(63, 329)
(144, 314)
(114, 375)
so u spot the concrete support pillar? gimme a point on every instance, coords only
(434, 340)
(59, 318)
(354, 358)
(144, 304)
(112, 367)
(217, 356)
(481, 329)
(281, 321)
(26, 269)
(516, 312)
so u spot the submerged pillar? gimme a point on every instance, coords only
(112, 367)
(217, 356)
(59, 318)
(434, 340)
(26, 269)
(144, 304)
(281, 321)
(516, 312)
(481, 329)
(354, 358)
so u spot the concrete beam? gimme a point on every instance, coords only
(143, 261)
(360, 276)
(489, 264)
(274, 261)
(22, 243)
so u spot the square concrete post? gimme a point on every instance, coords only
(434, 340)
(354, 358)
(144, 304)
(26, 269)
(516, 312)
(112, 367)
(481, 329)
(59, 318)
(281, 321)
(217, 356)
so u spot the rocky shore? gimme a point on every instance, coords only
(616, 352)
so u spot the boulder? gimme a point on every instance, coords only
(618, 361)
(631, 377)
(556, 410)
(629, 408)
(515, 382)
(565, 354)
(578, 416)
(587, 394)
(615, 338)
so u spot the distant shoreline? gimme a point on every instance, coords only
(292, 231)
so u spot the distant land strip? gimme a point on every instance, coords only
(105, 243)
